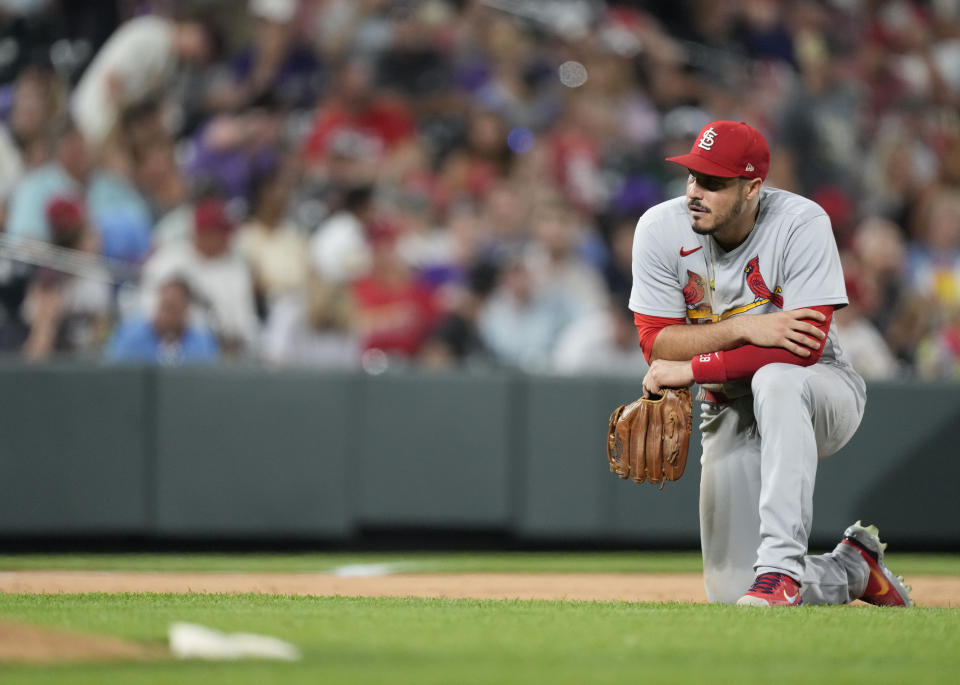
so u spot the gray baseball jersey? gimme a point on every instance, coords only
(756, 493)
(788, 261)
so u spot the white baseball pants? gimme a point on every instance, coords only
(759, 464)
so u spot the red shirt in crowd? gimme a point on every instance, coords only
(369, 132)
(396, 318)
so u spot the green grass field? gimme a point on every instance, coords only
(349, 640)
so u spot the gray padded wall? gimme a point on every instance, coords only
(73, 450)
(571, 493)
(250, 452)
(900, 471)
(237, 452)
(436, 450)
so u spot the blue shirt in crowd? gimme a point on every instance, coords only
(136, 341)
(118, 211)
(27, 216)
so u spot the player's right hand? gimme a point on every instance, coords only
(790, 330)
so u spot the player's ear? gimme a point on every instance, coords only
(753, 186)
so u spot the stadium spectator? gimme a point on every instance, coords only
(122, 217)
(604, 343)
(576, 147)
(177, 223)
(314, 328)
(938, 353)
(425, 245)
(474, 168)
(863, 343)
(460, 124)
(137, 64)
(912, 319)
(617, 271)
(33, 110)
(934, 258)
(66, 313)
(168, 337)
(164, 188)
(880, 269)
(68, 174)
(357, 129)
(520, 324)
(338, 248)
(278, 61)
(11, 169)
(817, 132)
(232, 148)
(504, 219)
(219, 278)
(900, 165)
(274, 247)
(395, 311)
(416, 59)
(456, 339)
(26, 120)
(555, 265)
(511, 77)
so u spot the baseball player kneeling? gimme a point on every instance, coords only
(760, 266)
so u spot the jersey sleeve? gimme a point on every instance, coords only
(744, 361)
(649, 327)
(811, 267)
(656, 290)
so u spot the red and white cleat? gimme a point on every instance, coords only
(772, 590)
(883, 588)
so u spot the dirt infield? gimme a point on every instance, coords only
(942, 591)
(25, 644)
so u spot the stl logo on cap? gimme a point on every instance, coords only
(706, 141)
(727, 149)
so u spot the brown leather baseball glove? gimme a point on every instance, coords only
(649, 439)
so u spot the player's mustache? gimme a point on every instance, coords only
(695, 205)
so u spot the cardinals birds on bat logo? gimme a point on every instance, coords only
(757, 285)
(693, 291)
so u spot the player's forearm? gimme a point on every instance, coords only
(742, 362)
(683, 342)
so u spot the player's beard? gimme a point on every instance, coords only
(722, 222)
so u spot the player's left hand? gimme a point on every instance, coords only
(667, 374)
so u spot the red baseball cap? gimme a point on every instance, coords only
(380, 232)
(65, 214)
(211, 215)
(728, 149)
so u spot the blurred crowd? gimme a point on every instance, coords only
(367, 183)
